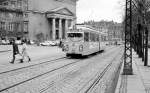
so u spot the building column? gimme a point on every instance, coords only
(66, 28)
(60, 28)
(53, 28)
(72, 23)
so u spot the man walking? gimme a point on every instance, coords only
(24, 51)
(15, 51)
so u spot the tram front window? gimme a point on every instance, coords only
(75, 35)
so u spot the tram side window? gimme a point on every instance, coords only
(86, 36)
(92, 37)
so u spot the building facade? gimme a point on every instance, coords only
(41, 20)
(115, 33)
(12, 23)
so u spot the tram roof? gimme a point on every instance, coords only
(85, 28)
(82, 28)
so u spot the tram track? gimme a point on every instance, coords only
(98, 76)
(105, 70)
(39, 75)
(32, 65)
(37, 64)
(1, 90)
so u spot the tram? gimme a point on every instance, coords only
(83, 40)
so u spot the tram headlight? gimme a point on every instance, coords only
(81, 48)
(67, 48)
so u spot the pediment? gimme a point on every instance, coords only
(62, 11)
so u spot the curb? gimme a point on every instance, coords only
(5, 51)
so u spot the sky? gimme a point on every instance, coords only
(110, 10)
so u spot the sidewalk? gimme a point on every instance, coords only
(139, 82)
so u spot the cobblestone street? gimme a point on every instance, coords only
(35, 52)
(74, 46)
(59, 76)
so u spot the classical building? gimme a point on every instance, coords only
(43, 19)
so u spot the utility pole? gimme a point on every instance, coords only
(128, 42)
(146, 35)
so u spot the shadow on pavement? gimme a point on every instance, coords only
(77, 56)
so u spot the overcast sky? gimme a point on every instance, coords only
(100, 10)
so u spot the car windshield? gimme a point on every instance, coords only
(72, 35)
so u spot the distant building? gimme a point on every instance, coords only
(113, 31)
(38, 19)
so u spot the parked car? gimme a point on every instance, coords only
(45, 43)
(5, 42)
(29, 42)
(32, 42)
(53, 43)
(48, 43)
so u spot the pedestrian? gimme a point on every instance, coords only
(15, 51)
(60, 43)
(24, 51)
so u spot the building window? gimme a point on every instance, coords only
(0, 25)
(26, 4)
(13, 4)
(5, 26)
(0, 14)
(19, 3)
(5, 3)
(25, 26)
(6, 14)
(9, 26)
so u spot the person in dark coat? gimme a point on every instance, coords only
(15, 51)
(60, 43)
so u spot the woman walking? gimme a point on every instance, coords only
(24, 51)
